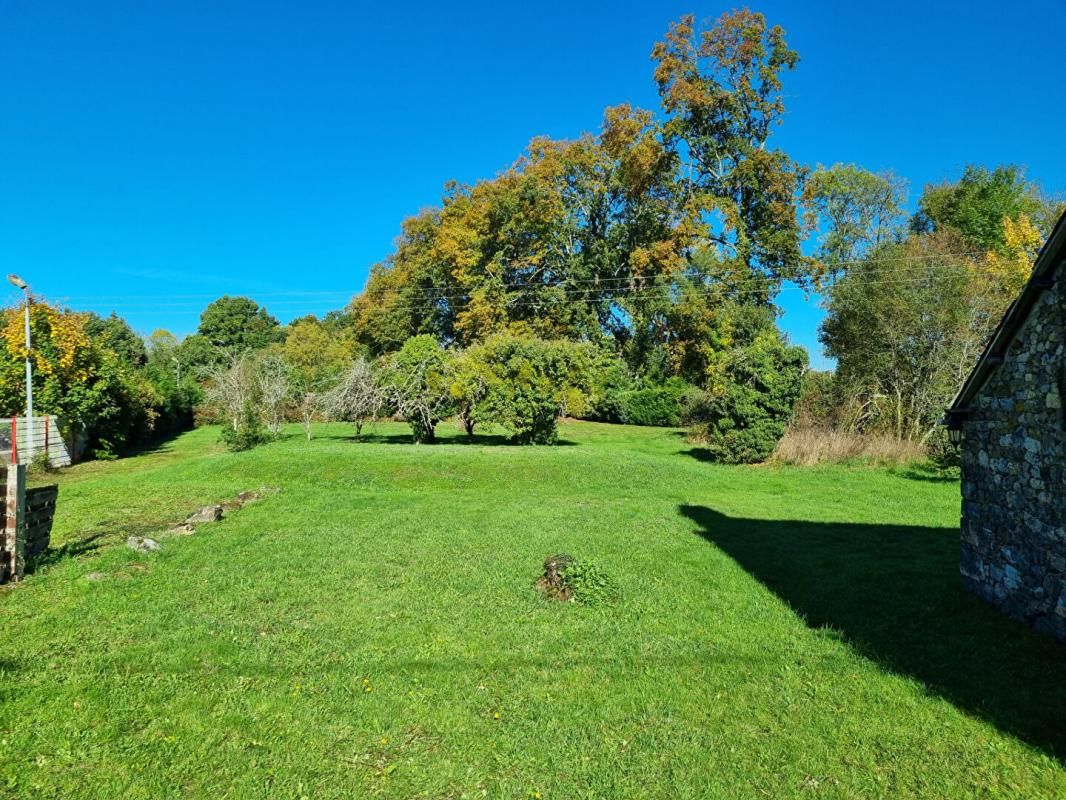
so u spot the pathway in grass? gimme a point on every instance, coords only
(371, 630)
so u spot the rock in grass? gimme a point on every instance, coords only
(248, 497)
(184, 529)
(143, 544)
(97, 576)
(205, 514)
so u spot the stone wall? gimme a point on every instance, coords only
(1014, 486)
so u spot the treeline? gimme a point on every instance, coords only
(914, 299)
(95, 373)
(627, 276)
(664, 240)
(660, 242)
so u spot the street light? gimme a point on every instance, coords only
(18, 283)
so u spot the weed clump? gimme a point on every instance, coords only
(570, 580)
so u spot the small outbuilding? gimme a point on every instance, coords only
(1009, 415)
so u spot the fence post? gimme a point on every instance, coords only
(14, 440)
(46, 420)
(15, 519)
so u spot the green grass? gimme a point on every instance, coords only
(370, 630)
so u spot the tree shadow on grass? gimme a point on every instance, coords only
(894, 592)
(700, 454)
(477, 440)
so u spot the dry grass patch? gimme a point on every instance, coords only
(809, 446)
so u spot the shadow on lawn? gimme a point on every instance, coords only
(72, 549)
(894, 592)
(478, 439)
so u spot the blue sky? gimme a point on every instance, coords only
(154, 156)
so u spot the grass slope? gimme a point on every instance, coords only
(370, 631)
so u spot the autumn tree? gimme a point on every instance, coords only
(722, 92)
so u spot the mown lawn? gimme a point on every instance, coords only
(370, 630)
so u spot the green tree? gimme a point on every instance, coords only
(976, 205)
(905, 326)
(853, 210)
(416, 381)
(115, 334)
(236, 324)
(529, 383)
(744, 412)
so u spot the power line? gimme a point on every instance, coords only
(513, 285)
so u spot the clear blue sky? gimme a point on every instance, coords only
(155, 155)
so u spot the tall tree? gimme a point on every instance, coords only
(980, 200)
(236, 324)
(906, 326)
(853, 210)
(721, 88)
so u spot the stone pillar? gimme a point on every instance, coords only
(15, 520)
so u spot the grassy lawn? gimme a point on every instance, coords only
(370, 630)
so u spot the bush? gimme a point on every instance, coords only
(944, 456)
(249, 431)
(529, 383)
(741, 418)
(656, 404)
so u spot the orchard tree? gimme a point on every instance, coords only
(358, 397)
(417, 383)
(317, 357)
(470, 379)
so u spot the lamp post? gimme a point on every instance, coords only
(18, 283)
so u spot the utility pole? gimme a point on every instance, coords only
(17, 282)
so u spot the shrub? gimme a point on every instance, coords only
(744, 413)
(656, 404)
(248, 432)
(944, 456)
(529, 383)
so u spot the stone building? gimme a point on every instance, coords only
(1013, 442)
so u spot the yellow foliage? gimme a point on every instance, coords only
(59, 341)
(1010, 267)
